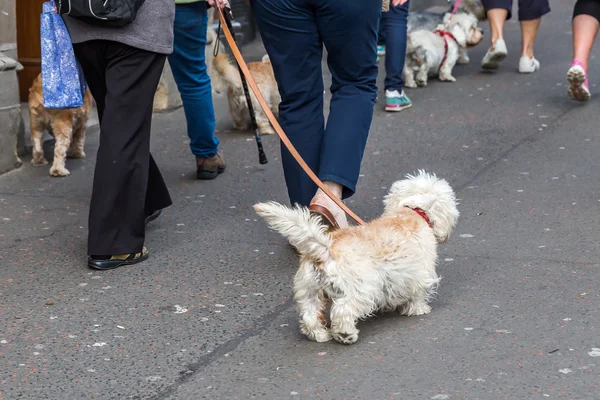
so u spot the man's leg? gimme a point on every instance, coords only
(188, 63)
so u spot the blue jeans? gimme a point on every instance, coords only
(294, 32)
(395, 25)
(188, 64)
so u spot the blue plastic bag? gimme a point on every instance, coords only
(63, 82)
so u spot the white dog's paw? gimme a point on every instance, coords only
(421, 82)
(463, 59)
(412, 309)
(410, 84)
(320, 334)
(447, 78)
(266, 130)
(345, 337)
(59, 171)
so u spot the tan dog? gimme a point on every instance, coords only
(226, 74)
(67, 126)
(387, 264)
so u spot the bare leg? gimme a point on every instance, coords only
(529, 30)
(585, 29)
(497, 18)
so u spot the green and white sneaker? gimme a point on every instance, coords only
(381, 50)
(395, 101)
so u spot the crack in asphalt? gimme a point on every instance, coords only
(260, 325)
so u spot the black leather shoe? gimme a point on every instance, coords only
(103, 263)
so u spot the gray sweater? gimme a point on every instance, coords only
(152, 30)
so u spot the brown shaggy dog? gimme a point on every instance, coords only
(226, 74)
(67, 126)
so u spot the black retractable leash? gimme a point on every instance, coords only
(262, 157)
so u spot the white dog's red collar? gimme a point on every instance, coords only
(444, 34)
(423, 215)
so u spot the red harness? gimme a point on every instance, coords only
(444, 35)
(423, 215)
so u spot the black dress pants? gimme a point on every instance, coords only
(127, 184)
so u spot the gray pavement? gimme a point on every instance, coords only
(210, 315)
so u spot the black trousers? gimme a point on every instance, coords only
(528, 9)
(587, 7)
(128, 185)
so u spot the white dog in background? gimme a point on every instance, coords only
(387, 264)
(434, 54)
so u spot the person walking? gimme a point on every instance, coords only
(530, 16)
(395, 28)
(294, 33)
(188, 63)
(586, 17)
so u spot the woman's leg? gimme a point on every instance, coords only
(188, 64)
(124, 80)
(292, 40)
(395, 25)
(530, 16)
(586, 17)
(498, 11)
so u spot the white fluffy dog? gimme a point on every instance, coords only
(436, 53)
(387, 264)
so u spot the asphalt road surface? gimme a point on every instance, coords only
(210, 315)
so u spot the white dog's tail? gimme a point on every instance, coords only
(303, 231)
(226, 73)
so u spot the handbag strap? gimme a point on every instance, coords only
(285, 140)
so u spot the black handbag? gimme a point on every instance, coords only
(113, 13)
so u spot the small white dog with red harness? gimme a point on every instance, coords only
(436, 53)
(388, 264)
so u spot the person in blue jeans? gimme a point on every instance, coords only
(395, 30)
(188, 63)
(294, 32)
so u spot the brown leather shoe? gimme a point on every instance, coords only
(210, 168)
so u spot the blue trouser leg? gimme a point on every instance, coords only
(395, 25)
(188, 63)
(381, 34)
(293, 32)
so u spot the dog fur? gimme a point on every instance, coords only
(226, 74)
(430, 21)
(387, 264)
(67, 126)
(425, 49)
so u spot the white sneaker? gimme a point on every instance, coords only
(494, 55)
(528, 65)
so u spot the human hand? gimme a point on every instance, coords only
(395, 3)
(219, 3)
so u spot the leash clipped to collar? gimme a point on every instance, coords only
(263, 104)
